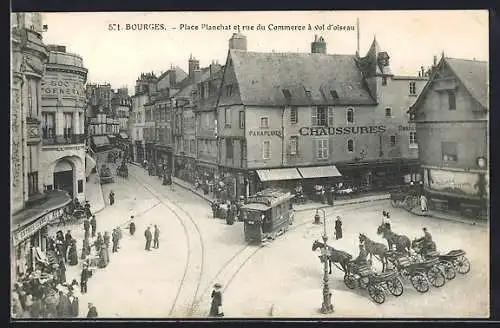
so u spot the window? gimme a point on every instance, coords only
(308, 94)
(322, 148)
(229, 90)
(229, 148)
(192, 146)
(350, 115)
(294, 145)
(350, 145)
(241, 119)
(393, 141)
(449, 150)
(227, 117)
(388, 112)
(266, 149)
(320, 115)
(293, 115)
(384, 80)
(264, 122)
(412, 116)
(80, 186)
(137, 134)
(413, 139)
(413, 89)
(451, 100)
(287, 94)
(330, 116)
(32, 183)
(48, 125)
(334, 94)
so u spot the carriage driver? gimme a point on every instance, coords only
(427, 240)
(363, 254)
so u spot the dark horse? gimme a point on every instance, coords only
(418, 245)
(374, 248)
(402, 242)
(334, 255)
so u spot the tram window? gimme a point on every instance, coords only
(80, 186)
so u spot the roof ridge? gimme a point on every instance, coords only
(466, 59)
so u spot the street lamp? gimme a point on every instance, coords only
(327, 306)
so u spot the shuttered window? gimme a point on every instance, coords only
(266, 149)
(294, 145)
(330, 115)
(293, 115)
(321, 148)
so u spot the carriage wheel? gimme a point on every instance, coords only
(449, 270)
(436, 277)
(395, 286)
(350, 281)
(462, 264)
(420, 283)
(376, 294)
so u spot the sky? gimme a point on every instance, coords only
(411, 38)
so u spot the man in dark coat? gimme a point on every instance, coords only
(216, 306)
(338, 228)
(92, 313)
(63, 306)
(148, 236)
(86, 227)
(214, 206)
(131, 227)
(111, 197)
(84, 278)
(74, 305)
(67, 243)
(88, 213)
(156, 239)
(61, 270)
(115, 241)
(93, 224)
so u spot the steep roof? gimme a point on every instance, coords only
(190, 85)
(262, 77)
(474, 76)
(180, 74)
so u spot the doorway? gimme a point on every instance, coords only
(63, 177)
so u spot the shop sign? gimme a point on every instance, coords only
(330, 131)
(35, 226)
(264, 133)
(65, 88)
(454, 182)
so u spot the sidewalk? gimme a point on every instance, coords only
(447, 216)
(93, 193)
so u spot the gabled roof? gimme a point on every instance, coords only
(190, 85)
(180, 75)
(262, 77)
(473, 74)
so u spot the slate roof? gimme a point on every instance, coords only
(180, 74)
(263, 76)
(474, 76)
(186, 91)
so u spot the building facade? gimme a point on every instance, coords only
(451, 116)
(63, 122)
(312, 117)
(32, 205)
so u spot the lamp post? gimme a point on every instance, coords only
(326, 306)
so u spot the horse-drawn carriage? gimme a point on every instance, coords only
(122, 170)
(267, 214)
(402, 197)
(105, 175)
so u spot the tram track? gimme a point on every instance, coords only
(189, 286)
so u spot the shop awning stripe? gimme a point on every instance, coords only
(319, 172)
(278, 174)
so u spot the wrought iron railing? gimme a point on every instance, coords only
(63, 140)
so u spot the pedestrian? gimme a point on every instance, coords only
(92, 313)
(86, 227)
(107, 243)
(386, 222)
(85, 249)
(148, 236)
(67, 243)
(215, 207)
(37, 309)
(111, 197)
(131, 227)
(99, 242)
(119, 232)
(72, 253)
(63, 306)
(423, 203)
(338, 228)
(115, 241)
(216, 306)
(28, 303)
(88, 213)
(156, 240)
(74, 305)
(61, 270)
(84, 278)
(93, 224)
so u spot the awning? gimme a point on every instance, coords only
(90, 163)
(123, 135)
(319, 172)
(278, 174)
(100, 141)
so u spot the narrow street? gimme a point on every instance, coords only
(284, 277)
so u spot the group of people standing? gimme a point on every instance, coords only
(155, 237)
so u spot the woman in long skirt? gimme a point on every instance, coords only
(423, 203)
(216, 306)
(338, 228)
(72, 254)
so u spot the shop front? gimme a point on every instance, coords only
(139, 152)
(163, 154)
(286, 178)
(29, 232)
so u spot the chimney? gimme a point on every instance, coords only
(318, 46)
(193, 65)
(422, 70)
(172, 77)
(435, 61)
(238, 42)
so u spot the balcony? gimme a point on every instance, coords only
(62, 140)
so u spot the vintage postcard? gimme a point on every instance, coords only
(314, 164)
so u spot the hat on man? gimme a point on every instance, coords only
(217, 286)
(131, 216)
(424, 228)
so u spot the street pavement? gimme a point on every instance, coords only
(266, 280)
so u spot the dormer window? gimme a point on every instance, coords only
(334, 94)
(308, 94)
(287, 93)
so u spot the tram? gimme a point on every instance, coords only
(267, 215)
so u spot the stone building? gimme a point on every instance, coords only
(451, 116)
(63, 121)
(317, 118)
(32, 205)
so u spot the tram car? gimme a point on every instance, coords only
(267, 215)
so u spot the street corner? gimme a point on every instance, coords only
(307, 304)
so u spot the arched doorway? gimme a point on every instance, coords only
(63, 176)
